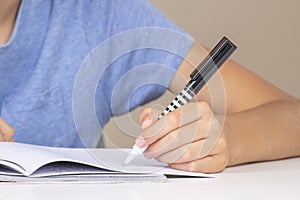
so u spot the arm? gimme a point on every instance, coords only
(244, 89)
(266, 132)
(261, 123)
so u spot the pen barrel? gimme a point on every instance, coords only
(181, 99)
(196, 85)
(210, 65)
(200, 76)
(217, 56)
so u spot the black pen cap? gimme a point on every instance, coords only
(214, 60)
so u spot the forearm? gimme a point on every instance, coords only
(267, 132)
(262, 122)
(237, 81)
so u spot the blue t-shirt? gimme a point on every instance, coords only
(53, 40)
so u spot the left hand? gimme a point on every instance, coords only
(6, 132)
(191, 138)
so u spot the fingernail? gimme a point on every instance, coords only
(140, 141)
(146, 122)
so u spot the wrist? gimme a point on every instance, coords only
(232, 144)
(233, 152)
(242, 144)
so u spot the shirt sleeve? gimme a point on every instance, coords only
(156, 48)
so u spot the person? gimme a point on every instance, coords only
(44, 43)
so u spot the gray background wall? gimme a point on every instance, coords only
(267, 33)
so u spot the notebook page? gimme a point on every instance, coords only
(113, 159)
(32, 157)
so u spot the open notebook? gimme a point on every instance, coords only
(31, 163)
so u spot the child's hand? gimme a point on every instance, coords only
(6, 132)
(190, 138)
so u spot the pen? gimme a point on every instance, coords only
(205, 70)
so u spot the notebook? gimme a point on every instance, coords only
(31, 163)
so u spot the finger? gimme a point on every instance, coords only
(194, 151)
(198, 130)
(209, 164)
(6, 130)
(180, 117)
(183, 154)
(177, 138)
(147, 117)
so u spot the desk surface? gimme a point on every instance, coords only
(269, 180)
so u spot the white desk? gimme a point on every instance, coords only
(270, 180)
